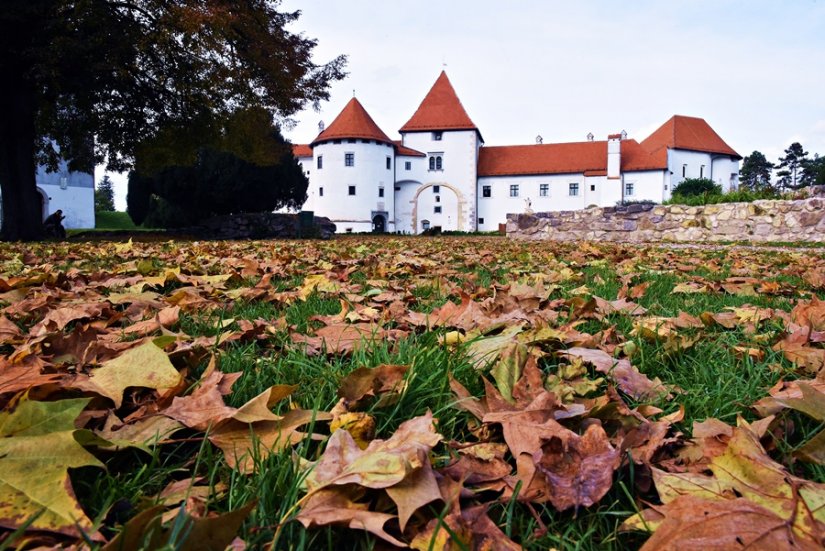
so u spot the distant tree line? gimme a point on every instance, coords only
(794, 170)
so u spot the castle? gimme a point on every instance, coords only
(440, 174)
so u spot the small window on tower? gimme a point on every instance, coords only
(628, 189)
(486, 191)
(544, 190)
(432, 163)
(437, 198)
(436, 189)
(438, 165)
(389, 163)
(702, 171)
(514, 190)
(380, 192)
(481, 221)
(684, 171)
(592, 187)
(349, 159)
(407, 165)
(437, 136)
(320, 162)
(574, 189)
(352, 190)
(437, 210)
(320, 192)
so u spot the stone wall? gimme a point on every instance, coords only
(261, 225)
(760, 221)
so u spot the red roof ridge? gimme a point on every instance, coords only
(690, 133)
(440, 110)
(353, 122)
(402, 149)
(301, 150)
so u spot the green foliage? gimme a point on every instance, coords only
(737, 196)
(114, 220)
(691, 187)
(119, 71)
(238, 164)
(792, 165)
(755, 173)
(104, 195)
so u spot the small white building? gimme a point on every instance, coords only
(69, 191)
(440, 174)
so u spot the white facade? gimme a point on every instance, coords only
(71, 192)
(438, 175)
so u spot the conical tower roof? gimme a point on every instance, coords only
(440, 110)
(353, 122)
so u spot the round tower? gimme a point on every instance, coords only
(353, 173)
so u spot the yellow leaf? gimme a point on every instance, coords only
(146, 366)
(38, 443)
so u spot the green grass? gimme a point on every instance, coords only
(114, 220)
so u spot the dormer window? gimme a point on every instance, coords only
(437, 136)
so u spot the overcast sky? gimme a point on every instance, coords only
(755, 70)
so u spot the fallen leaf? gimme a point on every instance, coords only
(38, 444)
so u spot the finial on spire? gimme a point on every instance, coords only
(353, 92)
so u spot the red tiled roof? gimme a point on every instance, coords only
(440, 110)
(589, 158)
(352, 122)
(401, 149)
(691, 133)
(301, 150)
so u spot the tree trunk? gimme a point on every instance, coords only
(22, 214)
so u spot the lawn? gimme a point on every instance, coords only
(442, 393)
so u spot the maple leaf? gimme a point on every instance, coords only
(38, 443)
(626, 377)
(748, 499)
(145, 366)
(385, 381)
(400, 465)
(578, 469)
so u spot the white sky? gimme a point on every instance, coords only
(754, 69)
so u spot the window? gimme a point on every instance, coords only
(702, 171)
(437, 198)
(514, 190)
(628, 189)
(437, 136)
(436, 189)
(432, 163)
(486, 191)
(425, 225)
(352, 141)
(320, 162)
(380, 192)
(544, 190)
(481, 221)
(437, 209)
(389, 163)
(436, 161)
(352, 190)
(320, 192)
(397, 188)
(349, 159)
(592, 187)
(349, 230)
(684, 171)
(574, 189)
(336, 141)
(407, 165)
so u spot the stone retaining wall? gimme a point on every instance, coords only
(261, 225)
(760, 221)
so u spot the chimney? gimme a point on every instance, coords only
(614, 156)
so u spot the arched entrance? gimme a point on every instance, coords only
(379, 224)
(441, 204)
(44, 204)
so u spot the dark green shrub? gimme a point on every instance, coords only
(692, 187)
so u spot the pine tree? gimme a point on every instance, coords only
(755, 174)
(792, 165)
(104, 195)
